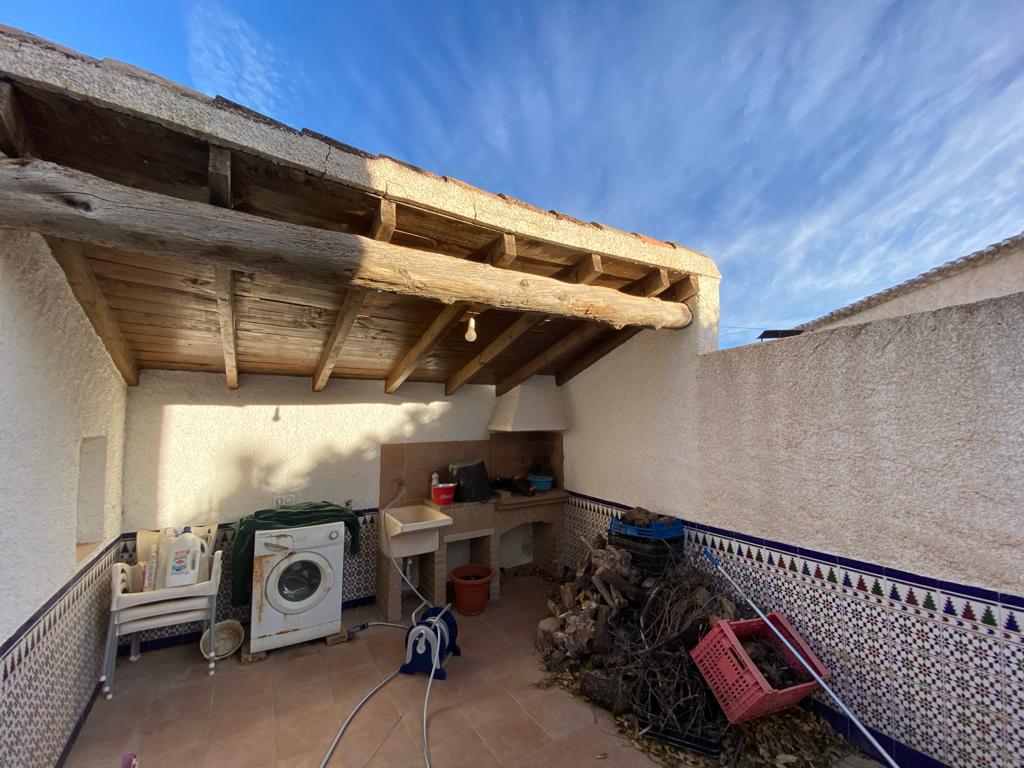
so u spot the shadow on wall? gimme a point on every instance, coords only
(200, 453)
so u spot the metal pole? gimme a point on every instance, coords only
(863, 729)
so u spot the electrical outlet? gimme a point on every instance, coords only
(283, 501)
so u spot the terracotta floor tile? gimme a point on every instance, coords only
(297, 670)
(350, 686)
(184, 733)
(242, 689)
(364, 739)
(406, 691)
(548, 756)
(294, 699)
(185, 756)
(467, 752)
(303, 732)
(480, 705)
(561, 714)
(251, 747)
(397, 751)
(445, 723)
(510, 737)
(345, 656)
(175, 704)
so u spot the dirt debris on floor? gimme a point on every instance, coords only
(623, 641)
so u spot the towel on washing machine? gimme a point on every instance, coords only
(289, 516)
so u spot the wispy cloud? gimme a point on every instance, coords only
(228, 57)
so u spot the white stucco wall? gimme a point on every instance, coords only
(633, 414)
(898, 442)
(989, 279)
(57, 386)
(199, 452)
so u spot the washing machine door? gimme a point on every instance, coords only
(299, 582)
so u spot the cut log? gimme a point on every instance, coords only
(61, 202)
(87, 290)
(336, 339)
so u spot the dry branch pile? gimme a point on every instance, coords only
(624, 642)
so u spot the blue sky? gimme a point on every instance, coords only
(818, 151)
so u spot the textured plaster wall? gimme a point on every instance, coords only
(57, 386)
(198, 452)
(899, 442)
(990, 279)
(633, 415)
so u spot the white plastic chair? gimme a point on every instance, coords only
(132, 612)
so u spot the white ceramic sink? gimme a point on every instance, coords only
(412, 530)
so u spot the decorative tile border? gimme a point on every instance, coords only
(936, 668)
(51, 667)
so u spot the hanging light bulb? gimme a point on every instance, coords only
(471, 329)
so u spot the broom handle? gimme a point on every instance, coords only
(799, 656)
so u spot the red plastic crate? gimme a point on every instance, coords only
(737, 683)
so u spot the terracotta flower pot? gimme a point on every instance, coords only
(472, 586)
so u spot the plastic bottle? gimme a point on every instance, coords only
(181, 567)
(149, 573)
(435, 479)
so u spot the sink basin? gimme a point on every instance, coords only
(412, 530)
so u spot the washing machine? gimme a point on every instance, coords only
(296, 585)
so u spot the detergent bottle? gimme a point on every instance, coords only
(181, 565)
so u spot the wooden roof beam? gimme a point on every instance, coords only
(651, 284)
(435, 333)
(220, 177)
(503, 251)
(62, 202)
(347, 313)
(15, 140)
(224, 286)
(382, 228)
(87, 290)
(584, 272)
(681, 291)
(384, 220)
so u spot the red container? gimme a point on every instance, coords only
(472, 588)
(443, 494)
(736, 682)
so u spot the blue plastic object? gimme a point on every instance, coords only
(541, 482)
(659, 529)
(420, 654)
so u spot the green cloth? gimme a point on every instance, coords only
(290, 516)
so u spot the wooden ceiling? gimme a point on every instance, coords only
(164, 310)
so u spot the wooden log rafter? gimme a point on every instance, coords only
(584, 272)
(652, 284)
(680, 291)
(224, 286)
(58, 201)
(436, 331)
(347, 313)
(86, 289)
(15, 141)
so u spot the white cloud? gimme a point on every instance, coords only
(228, 57)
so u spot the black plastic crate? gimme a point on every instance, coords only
(706, 741)
(649, 555)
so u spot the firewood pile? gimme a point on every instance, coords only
(623, 642)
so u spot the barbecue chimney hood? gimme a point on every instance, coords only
(533, 406)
